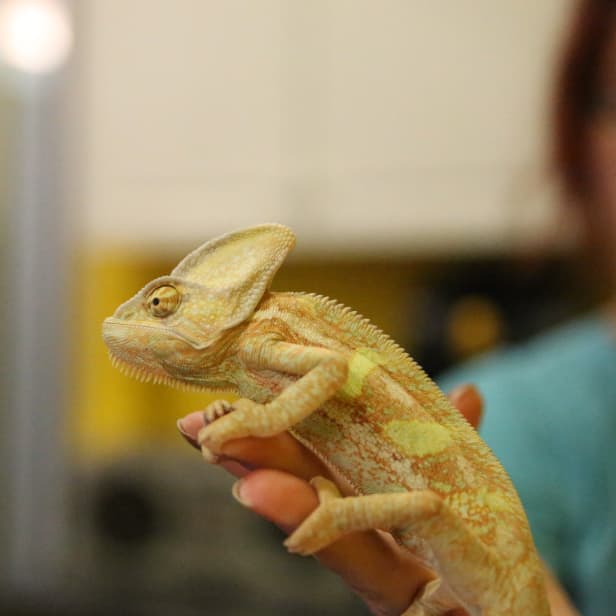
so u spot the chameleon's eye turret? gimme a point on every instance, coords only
(163, 301)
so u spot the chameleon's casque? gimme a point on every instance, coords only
(306, 364)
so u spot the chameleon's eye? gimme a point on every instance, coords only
(163, 301)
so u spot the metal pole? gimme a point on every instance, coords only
(37, 246)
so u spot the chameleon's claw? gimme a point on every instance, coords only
(209, 456)
(292, 548)
(313, 535)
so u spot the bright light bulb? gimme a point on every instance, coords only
(35, 35)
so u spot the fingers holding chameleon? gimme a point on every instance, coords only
(242, 455)
(282, 452)
(275, 474)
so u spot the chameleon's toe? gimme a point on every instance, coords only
(303, 543)
(312, 536)
(206, 444)
(325, 488)
(208, 455)
(318, 529)
(216, 409)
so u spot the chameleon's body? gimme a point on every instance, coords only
(304, 363)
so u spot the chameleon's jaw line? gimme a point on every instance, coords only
(114, 322)
(124, 357)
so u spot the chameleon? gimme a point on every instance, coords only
(404, 460)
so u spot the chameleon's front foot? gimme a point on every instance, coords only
(226, 421)
(213, 412)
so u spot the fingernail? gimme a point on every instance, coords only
(236, 492)
(187, 437)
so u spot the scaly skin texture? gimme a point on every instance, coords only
(404, 459)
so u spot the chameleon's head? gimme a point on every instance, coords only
(168, 331)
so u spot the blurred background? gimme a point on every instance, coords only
(403, 141)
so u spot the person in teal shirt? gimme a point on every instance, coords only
(550, 404)
(551, 420)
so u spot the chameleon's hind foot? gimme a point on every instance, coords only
(462, 559)
(319, 528)
(337, 516)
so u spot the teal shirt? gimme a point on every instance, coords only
(550, 417)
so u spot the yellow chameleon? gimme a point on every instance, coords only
(408, 462)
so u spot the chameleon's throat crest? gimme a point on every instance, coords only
(146, 376)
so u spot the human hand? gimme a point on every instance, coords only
(273, 482)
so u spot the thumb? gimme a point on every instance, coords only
(467, 399)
